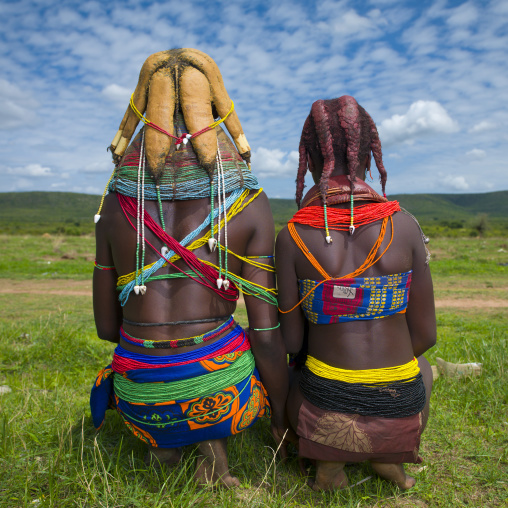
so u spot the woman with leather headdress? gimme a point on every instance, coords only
(356, 306)
(184, 227)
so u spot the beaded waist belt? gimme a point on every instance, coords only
(190, 341)
(392, 392)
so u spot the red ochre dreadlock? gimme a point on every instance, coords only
(342, 134)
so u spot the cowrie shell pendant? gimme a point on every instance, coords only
(136, 290)
(212, 244)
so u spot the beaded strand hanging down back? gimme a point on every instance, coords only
(225, 282)
(352, 226)
(212, 242)
(327, 232)
(140, 220)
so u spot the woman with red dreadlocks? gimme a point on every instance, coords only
(361, 388)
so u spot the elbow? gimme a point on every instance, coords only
(108, 334)
(423, 344)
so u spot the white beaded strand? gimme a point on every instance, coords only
(225, 282)
(219, 204)
(142, 288)
(138, 195)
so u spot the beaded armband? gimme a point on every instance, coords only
(103, 267)
(264, 329)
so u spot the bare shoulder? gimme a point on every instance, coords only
(284, 246)
(409, 226)
(110, 208)
(257, 212)
(259, 202)
(283, 238)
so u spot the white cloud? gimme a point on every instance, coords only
(117, 94)
(482, 126)
(98, 167)
(69, 71)
(18, 106)
(476, 153)
(34, 170)
(457, 183)
(274, 163)
(351, 23)
(464, 15)
(423, 118)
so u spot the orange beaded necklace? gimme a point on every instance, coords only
(340, 219)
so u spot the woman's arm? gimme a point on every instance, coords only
(267, 345)
(421, 313)
(291, 323)
(106, 307)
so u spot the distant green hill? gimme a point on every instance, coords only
(455, 206)
(71, 213)
(47, 207)
(429, 206)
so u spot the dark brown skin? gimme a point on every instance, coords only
(378, 343)
(249, 233)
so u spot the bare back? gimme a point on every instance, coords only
(177, 299)
(376, 343)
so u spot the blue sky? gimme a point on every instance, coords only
(432, 74)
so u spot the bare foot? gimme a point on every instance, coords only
(159, 456)
(394, 473)
(212, 465)
(329, 476)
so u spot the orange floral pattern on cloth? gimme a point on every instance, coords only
(221, 361)
(103, 375)
(258, 406)
(211, 410)
(141, 434)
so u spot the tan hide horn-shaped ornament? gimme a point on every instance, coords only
(189, 80)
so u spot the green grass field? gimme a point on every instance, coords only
(51, 456)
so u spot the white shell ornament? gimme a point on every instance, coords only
(225, 284)
(136, 290)
(212, 244)
(219, 283)
(142, 289)
(165, 251)
(329, 239)
(351, 230)
(96, 218)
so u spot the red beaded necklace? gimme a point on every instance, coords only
(339, 219)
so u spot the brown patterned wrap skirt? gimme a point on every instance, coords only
(367, 419)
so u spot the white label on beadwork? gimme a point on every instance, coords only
(344, 292)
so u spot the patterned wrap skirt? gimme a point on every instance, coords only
(361, 420)
(170, 401)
